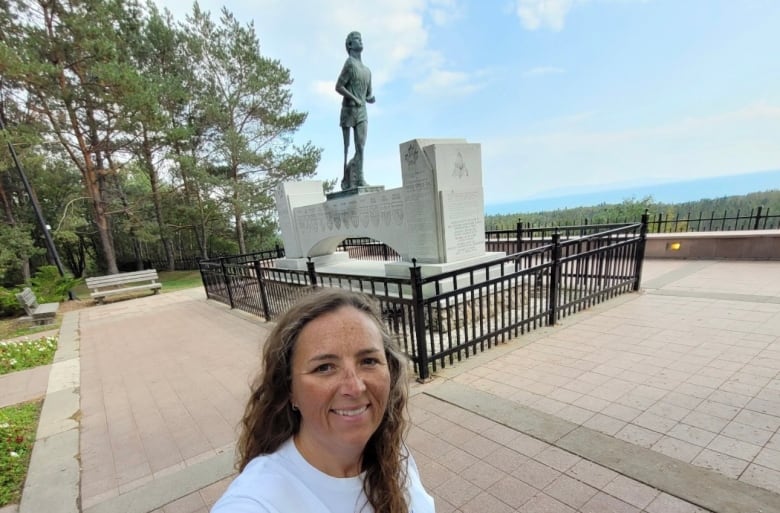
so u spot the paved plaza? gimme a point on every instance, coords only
(662, 401)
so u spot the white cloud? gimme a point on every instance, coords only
(543, 13)
(325, 89)
(308, 35)
(443, 12)
(448, 83)
(535, 14)
(544, 70)
(572, 158)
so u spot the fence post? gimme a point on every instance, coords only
(555, 273)
(519, 236)
(758, 218)
(203, 276)
(278, 251)
(312, 273)
(640, 251)
(419, 321)
(261, 284)
(226, 281)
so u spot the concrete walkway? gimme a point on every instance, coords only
(662, 401)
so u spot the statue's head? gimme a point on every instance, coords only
(354, 41)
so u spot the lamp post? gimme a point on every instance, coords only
(53, 255)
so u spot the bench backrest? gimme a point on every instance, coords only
(28, 300)
(122, 278)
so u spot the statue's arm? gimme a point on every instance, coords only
(370, 92)
(343, 91)
(343, 80)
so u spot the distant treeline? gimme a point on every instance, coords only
(631, 210)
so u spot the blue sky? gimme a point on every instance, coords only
(565, 96)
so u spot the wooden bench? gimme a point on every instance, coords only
(121, 283)
(40, 314)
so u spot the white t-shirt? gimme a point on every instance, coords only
(284, 482)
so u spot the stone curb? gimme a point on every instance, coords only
(53, 476)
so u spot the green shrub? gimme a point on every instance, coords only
(9, 305)
(49, 286)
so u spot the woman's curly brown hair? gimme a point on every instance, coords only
(269, 420)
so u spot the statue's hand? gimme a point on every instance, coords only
(371, 99)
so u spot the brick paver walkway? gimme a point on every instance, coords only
(685, 375)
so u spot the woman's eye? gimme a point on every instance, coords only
(370, 361)
(325, 367)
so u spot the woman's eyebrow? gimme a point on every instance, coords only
(323, 357)
(368, 351)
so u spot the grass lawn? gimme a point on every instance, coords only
(18, 425)
(26, 354)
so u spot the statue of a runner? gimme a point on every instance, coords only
(354, 84)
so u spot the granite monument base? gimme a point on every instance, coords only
(367, 189)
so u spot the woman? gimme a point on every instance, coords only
(323, 429)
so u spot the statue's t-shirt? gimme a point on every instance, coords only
(355, 77)
(284, 482)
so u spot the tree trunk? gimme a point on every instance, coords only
(89, 172)
(238, 215)
(240, 232)
(158, 210)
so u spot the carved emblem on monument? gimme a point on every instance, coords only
(459, 169)
(411, 155)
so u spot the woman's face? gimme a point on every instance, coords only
(340, 384)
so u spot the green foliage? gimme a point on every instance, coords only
(9, 305)
(148, 108)
(248, 114)
(26, 354)
(631, 210)
(18, 425)
(16, 244)
(222, 246)
(49, 286)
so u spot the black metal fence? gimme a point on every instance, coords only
(441, 319)
(364, 248)
(757, 219)
(523, 238)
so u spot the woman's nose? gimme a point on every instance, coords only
(352, 383)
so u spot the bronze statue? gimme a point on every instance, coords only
(354, 84)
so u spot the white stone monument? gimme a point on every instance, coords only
(436, 217)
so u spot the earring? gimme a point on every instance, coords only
(294, 407)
